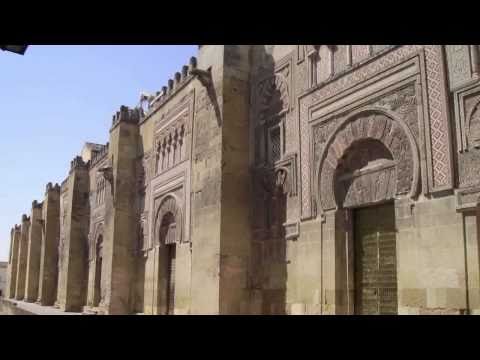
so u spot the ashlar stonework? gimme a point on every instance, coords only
(273, 179)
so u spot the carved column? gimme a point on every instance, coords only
(34, 249)
(47, 289)
(474, 51)
(22, 258)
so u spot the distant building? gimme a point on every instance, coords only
(3, 278)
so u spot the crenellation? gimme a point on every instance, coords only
(179, 81)
(273, 179)
(99, 155)
(125, 114)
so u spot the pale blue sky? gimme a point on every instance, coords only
(55, 98)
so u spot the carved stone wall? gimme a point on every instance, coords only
(173, 130)
(251, 165)
(432, 108)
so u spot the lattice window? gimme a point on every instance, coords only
(275, 145)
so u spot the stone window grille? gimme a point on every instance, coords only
(275, 142)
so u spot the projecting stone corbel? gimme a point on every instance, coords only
(204, 76)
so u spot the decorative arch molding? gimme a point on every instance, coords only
(168, 204)
(473, 126)
(370, 123)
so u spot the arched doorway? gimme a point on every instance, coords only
(97, 296)
(167, 240)
(365, 186)
(368, 163)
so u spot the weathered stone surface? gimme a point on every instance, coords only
(73, 245)
(22, 258)
(236, 188)
(34, 252)
(48, 280)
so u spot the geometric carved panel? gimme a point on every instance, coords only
(438, 157)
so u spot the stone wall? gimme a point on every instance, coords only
(250, 166)
(3, 278)
(34, 252)
(48, 279)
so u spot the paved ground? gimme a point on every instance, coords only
(35, 309)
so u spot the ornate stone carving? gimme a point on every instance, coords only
(459, 65)
(366, 175)
(397, 147)
(273, 97)
(173, 138)
(438, 159)
(100, 190)
(467, 120)
(438, 114)
(467, 102)
(467, 108)
(360, 53)
(473, 125)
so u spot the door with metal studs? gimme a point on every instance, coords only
(375, 260)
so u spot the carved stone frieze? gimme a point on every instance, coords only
(404, 103)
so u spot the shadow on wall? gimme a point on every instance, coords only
(269, 212)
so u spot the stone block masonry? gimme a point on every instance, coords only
(273, 179)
